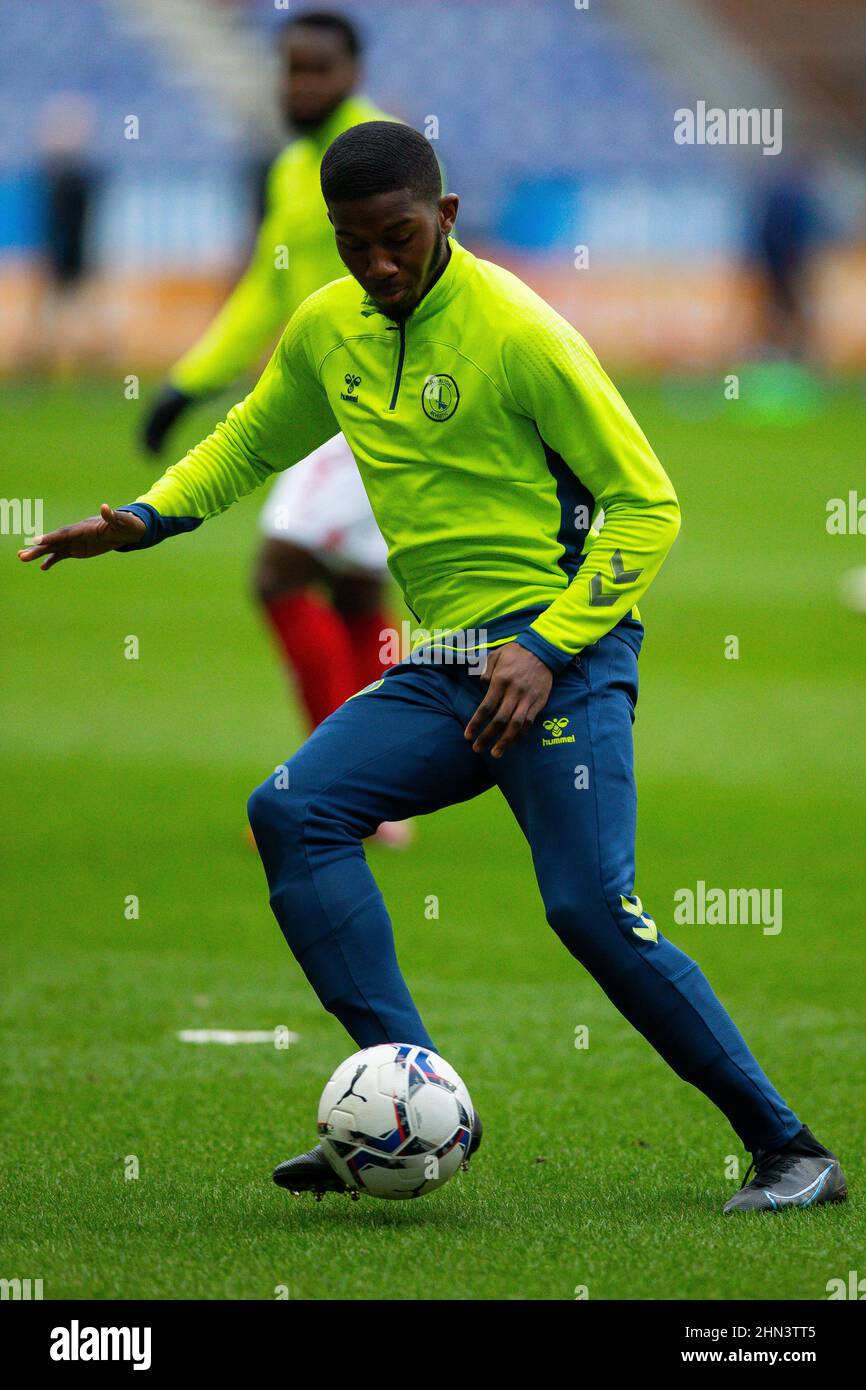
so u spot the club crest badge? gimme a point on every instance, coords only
(440, 397)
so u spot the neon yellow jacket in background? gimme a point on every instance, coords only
(293, 256)
(487, 436)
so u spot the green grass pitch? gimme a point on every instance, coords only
(600, 1169)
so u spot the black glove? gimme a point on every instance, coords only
(166, 409)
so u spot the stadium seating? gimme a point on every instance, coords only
(544, 69)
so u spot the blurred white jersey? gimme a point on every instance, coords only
(320, 505)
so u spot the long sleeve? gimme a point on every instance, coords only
(284, 418)
(248, 322)
(558, 382)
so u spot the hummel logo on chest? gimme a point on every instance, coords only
(349, 393)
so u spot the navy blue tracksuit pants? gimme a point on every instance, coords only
(397, 750)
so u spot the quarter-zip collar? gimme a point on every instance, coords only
(440, 294)
(401, 357)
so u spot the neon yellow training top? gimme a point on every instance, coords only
(294, 255)
(487, 436)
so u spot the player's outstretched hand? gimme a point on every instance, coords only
(97, 535)
(518, 687)
(168, 407)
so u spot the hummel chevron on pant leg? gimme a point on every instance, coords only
(581, 829)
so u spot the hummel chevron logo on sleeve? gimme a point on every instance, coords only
(597, 598)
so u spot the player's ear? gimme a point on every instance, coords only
(448, 206)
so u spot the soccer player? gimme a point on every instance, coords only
(319, 531)
(487, 436)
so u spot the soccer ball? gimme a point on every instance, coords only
(395, 1121)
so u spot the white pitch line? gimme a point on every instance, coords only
(230, 1038)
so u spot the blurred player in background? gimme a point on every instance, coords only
(319, 531)
(786, 226)
(786, 232)
(67, 328)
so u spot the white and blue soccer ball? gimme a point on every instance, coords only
(395, 1121)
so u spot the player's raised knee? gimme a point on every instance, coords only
(571, 919)
(273, 808)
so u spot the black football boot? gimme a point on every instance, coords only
(800, 1174)
(311, 1172)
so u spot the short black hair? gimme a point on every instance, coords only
(327, 19)
(380, 157)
